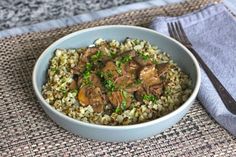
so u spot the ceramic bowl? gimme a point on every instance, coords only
(181, 55)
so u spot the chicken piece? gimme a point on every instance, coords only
(110, 67)
(97, 100)
(156, 89)
(116, 98)
(149, 76)
(124, 80)
(132, 67)
(133, 88)
(84, 58)
(132, 53)
(95, 80)
(88, 53)
(162, 68)
(142, 62)
(139, 94)
(73, 85)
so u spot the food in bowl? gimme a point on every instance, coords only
(115, 83)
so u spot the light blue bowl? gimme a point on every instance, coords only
(85, 37)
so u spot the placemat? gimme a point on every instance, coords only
(25, 129)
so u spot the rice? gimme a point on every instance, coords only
(60, 75)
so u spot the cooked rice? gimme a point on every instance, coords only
(60, 75)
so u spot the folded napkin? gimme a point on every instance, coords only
(212, 32)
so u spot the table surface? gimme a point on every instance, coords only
(24, 16)
(25, 130)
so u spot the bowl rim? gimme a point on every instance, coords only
(120, 127)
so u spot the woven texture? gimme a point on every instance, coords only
(25, 129)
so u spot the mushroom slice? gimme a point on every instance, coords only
(89, 95)
(83, 96)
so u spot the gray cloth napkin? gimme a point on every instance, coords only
(212, 32)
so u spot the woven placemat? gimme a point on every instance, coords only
(25, 129)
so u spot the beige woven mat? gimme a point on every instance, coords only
(25, 129)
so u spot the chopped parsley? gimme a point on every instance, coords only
(138, 81)
(123, 105)
(109, 85)
(149, 97)
(143, 55)
(87, 73)
(96, 56)
(126, 59)
(118, 109)
(112, 54)
(55, 70)
(86, 77)
(124, 102)
(104, 75)
(155, 62)
(123, 60)
(118, 66)
(63, 90)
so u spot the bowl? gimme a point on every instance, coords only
(180, 54)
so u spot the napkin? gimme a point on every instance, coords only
(212, 32)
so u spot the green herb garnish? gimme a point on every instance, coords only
(109, 85)
(155, 62)
(88, 66)
(118, 109)
(138, 81)
(123, 105)
(126, 59)
(63, 90)
(118, 66)
(143, 56)
(112, 54)
(55, 70)
(136, 41)
(86, 77)
(96, 56)
(149, 97)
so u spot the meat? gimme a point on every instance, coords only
(110, 67)
(132, 67)
(92, 94)
(156, 89)
(152, 83)
(141, 61)
(117, 97)
(95, 80)
(149, 76)
(89, 52)
(73, 85)
(129, 73)
(124, 81)
(162, 68)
